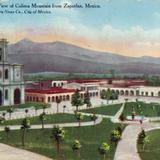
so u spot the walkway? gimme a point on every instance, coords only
(74, 124)
(127, 147)
(115, 119)
(20, 113)
(12, 153)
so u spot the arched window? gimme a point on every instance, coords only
(68, 97)
(17, 96)
(6, 94)
(6, 74)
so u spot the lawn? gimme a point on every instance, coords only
(50, 119)
(91, 137)
(152, 150)
(141, 108)
(26, 105)
(104, 109)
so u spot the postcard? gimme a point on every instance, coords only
(79, 79)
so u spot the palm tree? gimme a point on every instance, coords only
(143, 139)
(115, 136)
(104, 149)
(76, 99)
(58, 101)
(26, 111)
(24, 126)
(76, 147)
(79, 117)
(93, 118)
(42, 118)
(10, 111)
(7, 130)
(146, 140)
(58, 134)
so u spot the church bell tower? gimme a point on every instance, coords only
(3, 50)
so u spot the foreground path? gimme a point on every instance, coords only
(127, 147)
(12, 153)
(74, 124)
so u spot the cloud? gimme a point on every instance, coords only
(135, 41)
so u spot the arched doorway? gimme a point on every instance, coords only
(126, 93)
(122, 92)
(0, 98)
(131, 93)
(17, 96)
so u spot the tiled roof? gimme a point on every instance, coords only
(52, 90)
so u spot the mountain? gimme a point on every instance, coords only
(63, 57)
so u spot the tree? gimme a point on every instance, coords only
(93, 118)
(104, 149)
(58, 134)
(4, 115)
(10, 111)
(7, 130)
(26, 111)
(115, 136)
(112, 72)
(106, 95)
(76, 100)
(42, 118)
(2, 120)
(44, 108)
(79, 117)
(24, 126)
(36, 110)
(87, 100)
(143, 139)
(64, 107)
(58, 101)
(76, 147)
(146, 140)
(113, 95)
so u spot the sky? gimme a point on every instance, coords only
(125, 27)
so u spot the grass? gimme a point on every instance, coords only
(26, 105)
(91, 137)
(50, 119)
(152, 150)
(148, 110)
(104, 109)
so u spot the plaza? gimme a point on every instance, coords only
(48, 103)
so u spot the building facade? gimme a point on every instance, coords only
(11, 79)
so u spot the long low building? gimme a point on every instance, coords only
(136, 91)
(49, 95)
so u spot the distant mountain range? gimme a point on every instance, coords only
(63, 57)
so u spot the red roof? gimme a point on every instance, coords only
(52, 90)
(83, 81)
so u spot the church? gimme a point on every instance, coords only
(11, 79)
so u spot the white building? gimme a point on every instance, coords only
(58, 83)
(91, 88)
(11, 79)
(146, 91)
